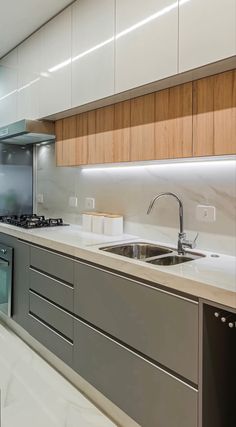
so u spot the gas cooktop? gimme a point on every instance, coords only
(31, 221)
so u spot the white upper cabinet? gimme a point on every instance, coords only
(29, 69)
(93, 24)
(207, 32)
(55, 84)
(8, 88)
(146, 42)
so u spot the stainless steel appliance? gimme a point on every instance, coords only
(27, 132)
(31, 221)
(6, 265)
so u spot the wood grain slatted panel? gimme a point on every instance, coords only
(69, 141)
(225, 113)
(122, 132)
(59, 143)
(91, 136)
(81, 148)
(203, 117)
(142, 128)
(101, 150)
(173, 122)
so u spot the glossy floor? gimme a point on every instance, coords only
(34, 394)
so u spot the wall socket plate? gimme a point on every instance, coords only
(206, 213)
(89, 203)
(73, 202)
(40, 198)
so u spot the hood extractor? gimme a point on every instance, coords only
(28, 132)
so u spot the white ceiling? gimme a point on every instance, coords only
(20, 18)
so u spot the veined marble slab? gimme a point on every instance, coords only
(33, 394)
(209, 278)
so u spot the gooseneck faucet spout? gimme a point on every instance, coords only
(181, 209)
(182, 241)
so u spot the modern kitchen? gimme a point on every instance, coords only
(117, 213)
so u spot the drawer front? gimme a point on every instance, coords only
(55, 265)
(51, 340)
(52, 315)
(56, 291)
(160, 325)
(146, 393)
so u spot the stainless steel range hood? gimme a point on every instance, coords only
(28, 132)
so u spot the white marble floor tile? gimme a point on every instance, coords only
(34, 394)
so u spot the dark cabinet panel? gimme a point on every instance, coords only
(52, 315)
(51, 339)
(158, 324)
(52, 263)
(148, 394)
(56, 291)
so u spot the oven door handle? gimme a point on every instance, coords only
(4, 263)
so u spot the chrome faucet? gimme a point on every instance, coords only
(182, 240)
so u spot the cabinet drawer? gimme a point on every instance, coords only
(145, 392)
(160, 325)
(52, 315)
(55, 265)
(56, 291)
(50, 339)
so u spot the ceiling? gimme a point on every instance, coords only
(20, 18)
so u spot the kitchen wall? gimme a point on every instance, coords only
(127, 189)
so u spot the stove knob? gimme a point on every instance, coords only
(3, 251)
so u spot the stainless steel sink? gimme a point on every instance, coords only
(151, 253)
(137, 250)
(174, 259)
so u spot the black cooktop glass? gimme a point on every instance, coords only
(31, 221)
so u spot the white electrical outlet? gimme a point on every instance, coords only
(40, 198)
(206, 213)
(73, 202)
(89, 203)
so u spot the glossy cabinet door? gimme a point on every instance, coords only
(55, 87)
(29, 66)
(146, 42)
(92, 50)
(207, 32)
(8, 88)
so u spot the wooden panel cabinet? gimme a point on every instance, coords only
(192, 119)
(142, 141)
(173, 122)
(100, 149)
(214, 115)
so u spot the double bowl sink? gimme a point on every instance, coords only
(151, 253)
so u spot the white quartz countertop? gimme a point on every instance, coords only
(210, 278)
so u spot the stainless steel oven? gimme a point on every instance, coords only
(6, 267)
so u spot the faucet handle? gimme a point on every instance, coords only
(196, 237)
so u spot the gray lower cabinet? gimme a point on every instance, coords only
(51, 339)
(52, 289)
(161, 325)
(49, 313)
(54, 264)
(148, 394)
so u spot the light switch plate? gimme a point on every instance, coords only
(89, 203)
(206, 213)
(73, 202)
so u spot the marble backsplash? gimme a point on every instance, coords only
(129, 189)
